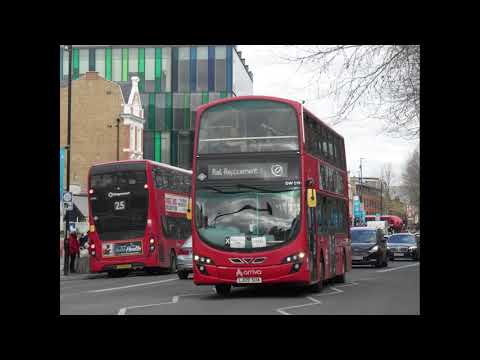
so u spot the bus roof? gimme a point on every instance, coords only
(166, 166)
(294, 103)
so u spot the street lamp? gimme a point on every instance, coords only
(66, 261)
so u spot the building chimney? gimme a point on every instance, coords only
(91, 75)
(240, 54)
(246, 67)
(243, 61)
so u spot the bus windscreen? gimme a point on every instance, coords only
(119, 202)
(248, 126)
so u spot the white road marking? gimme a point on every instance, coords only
(398, 268)
(130, 286)
(174, 300)
(314, 302)
(353, 283)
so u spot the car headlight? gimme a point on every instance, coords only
(412, 248)
(373, 249)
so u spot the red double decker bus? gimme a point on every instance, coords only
(269, 196)
(137, 216)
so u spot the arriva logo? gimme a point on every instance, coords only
(241, 273)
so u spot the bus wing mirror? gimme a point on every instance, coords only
(311, 198)
(189, 209)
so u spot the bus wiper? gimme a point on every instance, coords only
(266, 190)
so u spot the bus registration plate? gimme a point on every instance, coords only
(249, 280)
(124, 266)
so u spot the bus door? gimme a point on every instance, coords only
(312, 243)
(332, 246)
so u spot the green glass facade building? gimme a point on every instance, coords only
(174, 81)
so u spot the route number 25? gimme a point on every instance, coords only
(119, 205)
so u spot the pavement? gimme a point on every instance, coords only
(368, 291)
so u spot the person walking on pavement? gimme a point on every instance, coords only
(74, 250)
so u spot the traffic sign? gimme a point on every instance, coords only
(67, 196)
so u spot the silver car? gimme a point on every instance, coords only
(184, 260)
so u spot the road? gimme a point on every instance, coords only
(368, 291)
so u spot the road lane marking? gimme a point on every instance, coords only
(313, 302)
(398, 268)
(353, 283)
(174, 300)
(131, 286)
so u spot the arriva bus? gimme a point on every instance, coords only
(269, 196)
(137, 216)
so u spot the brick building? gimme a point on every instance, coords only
(370, 191)
(96, 105)
(173, 82)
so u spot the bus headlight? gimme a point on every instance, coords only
(152, 240)
(412, 248)
(295, 258)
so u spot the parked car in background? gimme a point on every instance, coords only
(404, 246)
(184, 259)
(369, 247)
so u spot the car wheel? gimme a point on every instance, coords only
(183, 275)
(173, 263)
(317, 287)
(223, 289)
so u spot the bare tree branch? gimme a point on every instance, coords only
(383, 80)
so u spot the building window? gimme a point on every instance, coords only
(139, 139)
(117, 64)
(65, 65)
(185, 150)
(149, 64)
(132, 138)
(184, 69)
(132, 61)
(202, 68)
(166, 76)
(100, 62)
(178, 111)
(165, 150)
(83, 61)
(220, 68)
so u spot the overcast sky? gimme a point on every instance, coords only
(363, 139)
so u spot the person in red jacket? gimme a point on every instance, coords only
(74, 249)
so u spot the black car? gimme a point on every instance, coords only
(369, 247)
(404, 246)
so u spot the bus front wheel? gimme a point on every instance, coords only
(317, 287)
(223, 289)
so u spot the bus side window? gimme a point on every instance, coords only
(319, 213)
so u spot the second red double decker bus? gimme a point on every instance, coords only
(269, 196)
(138, 216)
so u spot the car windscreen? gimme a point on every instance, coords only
(119, 202)
(364, 236)
(401, 239)
(248, 126)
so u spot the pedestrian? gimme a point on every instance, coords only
(74, 249)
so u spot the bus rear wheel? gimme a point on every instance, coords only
(223, 289)
(341, 278)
